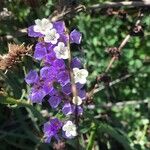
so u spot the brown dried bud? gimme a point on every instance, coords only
(122, 14)
(110, 11)
(137, 31)
(15, 53)
(104, 78)
(59, 146)
(113, 52)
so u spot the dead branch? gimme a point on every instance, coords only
(122, 104)
(70, 12)
(120, 4)
(111, 83)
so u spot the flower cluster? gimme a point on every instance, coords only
(53, 80)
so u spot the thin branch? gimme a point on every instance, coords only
(123, 43)
(70, 12)
(67, 12)
(98, 88)
(120, 4)
(111, 83)
(122, 104)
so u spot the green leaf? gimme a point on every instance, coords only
(105, 128)
(92, 137)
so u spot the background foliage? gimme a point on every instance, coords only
(123, 125)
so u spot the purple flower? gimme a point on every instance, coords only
(66, 89)
(40, 51)
(59, 26)
(76, 63)
(59, 64)
(54, 79)
(48, 72)
(78, 110)
(79, 85)
(37, 94)
(54, 92)
(48, 86)
(64, 38)
(32, 77)
(51, 129)
(63, 78)
(49, 47)
(68, 109)
(49, 58)
(75, 37)
(32, 33)
(54, 101)
(82, 94)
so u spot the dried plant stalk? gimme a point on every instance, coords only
(14, 55)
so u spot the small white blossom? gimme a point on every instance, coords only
(77, 101)
(70, 129)
(42, 25)
(51, 36)
(80, 75)
(61, 51)
(44, 113)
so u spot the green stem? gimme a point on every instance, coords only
(12, 101)
(92, 137)
(21, 103)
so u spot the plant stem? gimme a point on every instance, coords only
(12, 101)
(119, 4)
(73, 85)
(92, 137)
(21, 103)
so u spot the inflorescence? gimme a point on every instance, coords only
(53, 82)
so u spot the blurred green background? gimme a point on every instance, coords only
(21, 127)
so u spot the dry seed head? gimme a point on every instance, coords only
(15, 53)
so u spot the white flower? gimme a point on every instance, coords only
(42, 25)
(80, 75)
(70, 129)
(77, 101)
(61, 51)
(51, 36)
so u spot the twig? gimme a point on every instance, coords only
(111, 83)
(119, 4)
(73, 11)
(65, 12)
(133, 102)
(123, 43)
(124, 103)
(96, 88)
